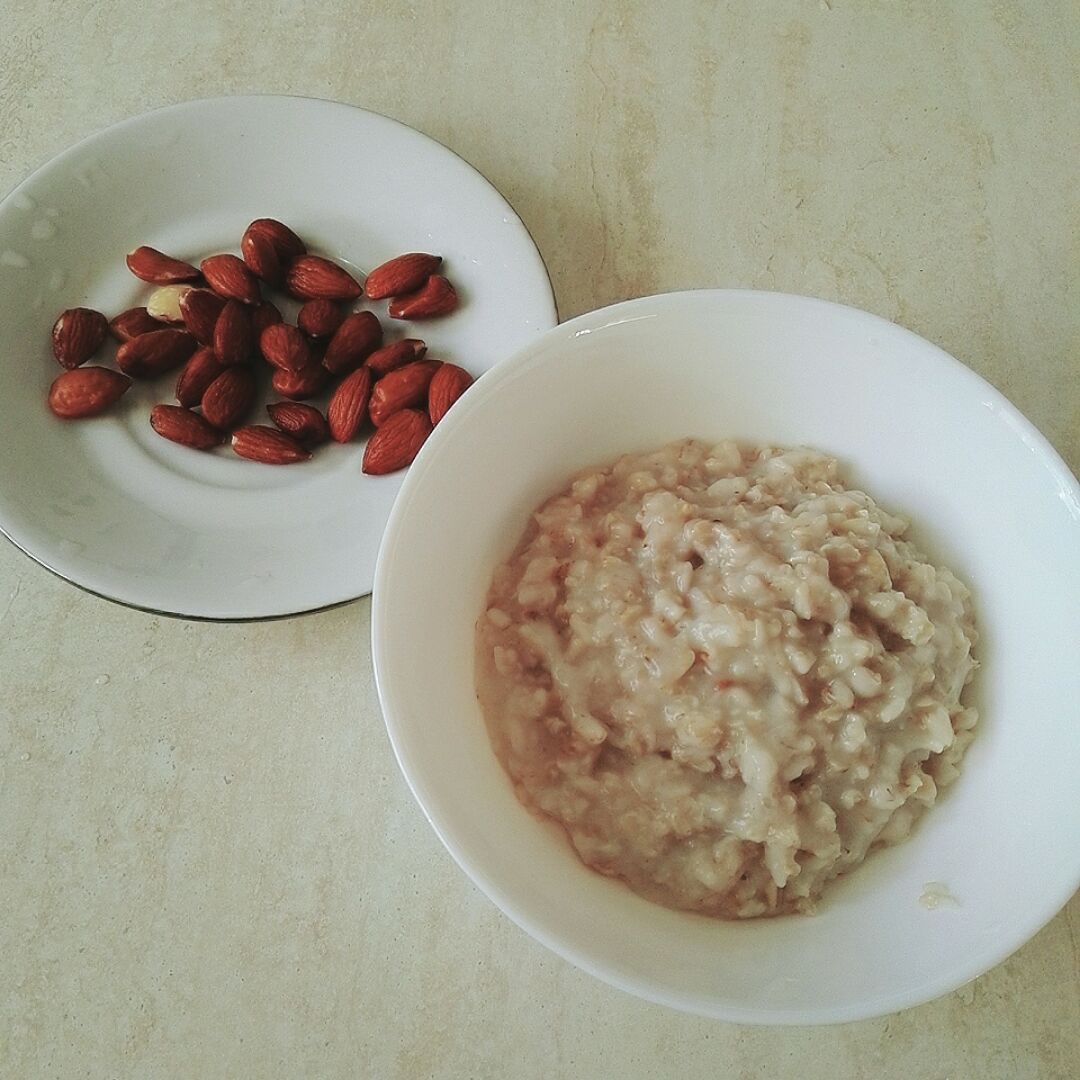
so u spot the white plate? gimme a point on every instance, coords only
(114, 508)
(986, 494)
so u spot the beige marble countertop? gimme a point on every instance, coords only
(209, 863)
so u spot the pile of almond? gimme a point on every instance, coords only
(213, 322)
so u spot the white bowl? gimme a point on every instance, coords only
(107, 503)
(924, 435)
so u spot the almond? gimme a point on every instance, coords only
(132, 323)
(401, 389)
(261, 257)
(447, 385)
(154, 353)
(320, 318)
(285, 347)
(233, 342)
(356, 338)
(229, 397)
(199, 372)
(154, 266)
(303, 422)
(435, 297)
(200, 309)
(298, 385)
(262, 316)
(405, 274)
(86, 391)
(311, 277)
(347, 409)
(286, 243)
(77, 334)
(164, 303)
(184, 427)
(394, 356)
(268, 445)
(229, 277)
(397, 442)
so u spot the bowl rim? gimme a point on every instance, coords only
(488, 385)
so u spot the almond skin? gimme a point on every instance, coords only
(401, 389)
(267, 445)
(397, 442)
(154, 353)
(394, 356)
(356, 338)
(155, 266)
(286, 243)
(233, 341)
(183, 426)
(86, 391)
(348, 405)
(132, 323)
(261, 257)
(76, 335)
(285, 347)
(200, 309)
(405, 274)
(301, 384)
(262, 316)
(311, 277)
(229, 398)
(199, 372)
(435, 297)
(228, 276)
(303, 422)
(320, 318)
(447, 385)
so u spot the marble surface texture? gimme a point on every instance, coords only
(209, 863)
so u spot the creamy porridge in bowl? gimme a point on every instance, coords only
(725, 674)
(769, 578)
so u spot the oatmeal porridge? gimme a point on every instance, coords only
(725, 674)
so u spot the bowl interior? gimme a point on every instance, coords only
(115, 508)
(927, 438)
